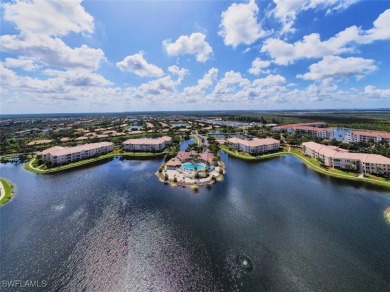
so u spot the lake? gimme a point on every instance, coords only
(115, 227)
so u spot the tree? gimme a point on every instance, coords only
(354, 165)
(166, 177)
(321, 161)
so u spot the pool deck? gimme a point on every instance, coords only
(183, 180)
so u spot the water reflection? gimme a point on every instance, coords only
(274, 225)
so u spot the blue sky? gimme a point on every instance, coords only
(108, 56)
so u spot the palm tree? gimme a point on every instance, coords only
(354, 164)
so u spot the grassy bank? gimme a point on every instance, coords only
(247, 156)
(38, 169)
(8, 190)
(195, 139)
(313, 164)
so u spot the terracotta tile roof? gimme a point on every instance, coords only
(254, 142)
(182, 155)
(372, 134)
(173, 162)
(57, 150)
(329, 151)
(207, 156)
(154, 141)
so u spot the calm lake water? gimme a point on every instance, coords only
(338, 133)
(115, 227)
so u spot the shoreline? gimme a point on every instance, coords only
(6, 191)
(251, 158)
(311, 166)
(28, 166)
(197, 183)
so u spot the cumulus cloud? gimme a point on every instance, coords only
(59, 81)
(79, 77)
(205, 82)
(231, 82)
(49, 51)
(159, 87)
(57, 17)
(287, 10)
(374, 92)
(337, 67)
(239, 24)
(179, 72)
(311, 46)
(270, 80)
(258, 67)
(379, 31)
(139, 66)
(195, 44)
(22, 63)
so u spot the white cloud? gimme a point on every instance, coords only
(374, 92)
(337, 67)
(195, 44)
(49, 51)
(159, 87)
(258, 66)
(79, 77)
(311, 46)
(57, 17)
(239, 24)
(59, 82)
(287, 10)
(380, 30)
(179, 72)
(23, 63)
(231, 82)
(202, 84)
(270, 80)
(139, 66)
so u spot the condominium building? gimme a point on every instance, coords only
(255, 145)
(333, 156)
(60, 155)
(183, 157)
(315, 129)
(147, 144)
(363, 136)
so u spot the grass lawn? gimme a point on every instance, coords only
(195, 139)
(315, 165)
(8, 188)
(248, 156)
(31, 165)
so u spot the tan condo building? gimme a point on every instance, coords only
(61, 155)
(335, 157)
(363, 136)
(255, 145)
(147, 144)
(315, 129)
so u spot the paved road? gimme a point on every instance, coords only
(199, 137)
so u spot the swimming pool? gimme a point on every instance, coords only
(191, 166)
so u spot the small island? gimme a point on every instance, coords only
(191, 168)
(6, 191)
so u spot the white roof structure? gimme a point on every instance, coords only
(59, 151)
